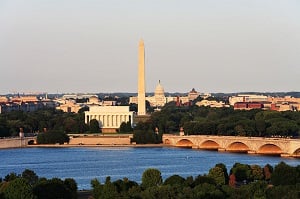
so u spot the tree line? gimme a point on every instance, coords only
(226, 121)
(194, 120)
(242, 181)
(29, 186)
(41, 120)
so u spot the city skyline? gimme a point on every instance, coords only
(91, 47)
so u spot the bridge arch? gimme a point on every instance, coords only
(167, 141)
(296, 153)
(185, 143)
(30, 142)
(209, 145)
(270, 149)
(239, 147)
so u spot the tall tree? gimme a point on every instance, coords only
(151, 177)
(94, 126)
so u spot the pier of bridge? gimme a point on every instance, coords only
(252, 145)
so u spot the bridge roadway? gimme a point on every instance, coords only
(252, 145)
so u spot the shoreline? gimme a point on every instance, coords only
(95, 145)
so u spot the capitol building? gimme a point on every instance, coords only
(158, 100)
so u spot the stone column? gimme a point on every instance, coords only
(86, 119)
(103, 122)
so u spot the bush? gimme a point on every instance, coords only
(52, 137)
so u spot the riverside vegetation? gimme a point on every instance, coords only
(195, 121)
(243, 181)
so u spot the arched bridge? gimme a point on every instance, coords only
(252, 145)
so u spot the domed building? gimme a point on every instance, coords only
(159, 96)
(158, 100)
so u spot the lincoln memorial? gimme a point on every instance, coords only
(109, 117)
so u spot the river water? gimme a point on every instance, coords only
(86, 163)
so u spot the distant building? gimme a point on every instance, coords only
(247, 98)
(248, 102)
(158, 100)
(69, 106)
(77, 96)
(93, 100)
(109, 103)
(193, 94)
(211, 103)
(3, 99)
(24, 103)
(248, 105)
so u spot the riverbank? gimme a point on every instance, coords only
(97, 145)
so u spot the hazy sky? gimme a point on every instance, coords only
(92, 45)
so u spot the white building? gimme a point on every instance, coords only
(211, 103)
(158, 100)
(247, 98)
(109, 117)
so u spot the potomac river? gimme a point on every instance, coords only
(86, 163)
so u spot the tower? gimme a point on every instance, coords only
(141, 79)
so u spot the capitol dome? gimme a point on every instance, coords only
(159, 90)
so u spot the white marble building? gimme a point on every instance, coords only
(109, 117)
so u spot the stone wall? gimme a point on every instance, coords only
(13, 143)
(100, 140)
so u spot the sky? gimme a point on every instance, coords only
(91, 46)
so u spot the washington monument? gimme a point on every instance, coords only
(141, 80)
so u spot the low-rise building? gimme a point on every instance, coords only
(69, 106)
(211, 103)
(247, 98)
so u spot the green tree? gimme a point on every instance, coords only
(10, 177)
(124, 185)
(258, 189)
(96, 188)
(260, 127)
(268, 170)
(151, 177)
(256, 172)
(206, 190)
(242, 172)
(109, 190)
(18, 188)
(174, 180)
(223, 167)
(284, 174)
(94, 126)
(283, 192)
(71, 185)
(125, 127)
(30, 176)
(52, 137)
(218, 175)
(52, 189)
(70, 125)
(201, 179)
(166, 192)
